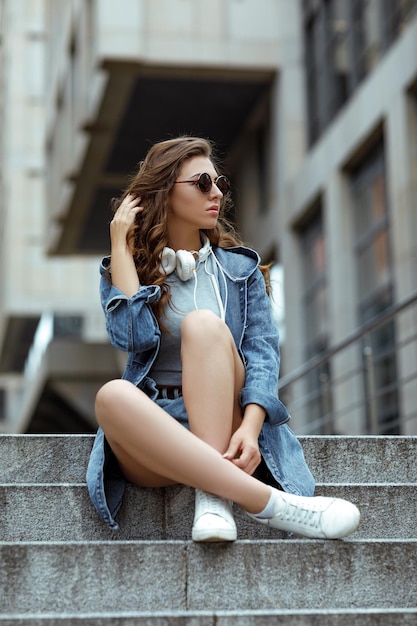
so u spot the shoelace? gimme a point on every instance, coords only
(303, 516)
(210, 503)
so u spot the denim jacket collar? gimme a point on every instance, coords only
(239, 265)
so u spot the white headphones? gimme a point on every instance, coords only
(183, 261)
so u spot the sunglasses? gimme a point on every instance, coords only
(204, 182)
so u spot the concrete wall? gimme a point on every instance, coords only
(32, 283)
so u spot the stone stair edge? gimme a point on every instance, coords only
(271, 574)
(364, 617)
(245, 617)
(89, 436)
(334, 459)
(205, 546)
(66, 513)
(213, 613)
(319, 485)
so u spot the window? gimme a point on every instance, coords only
(68, 326)
(343, 42)
(396, 15)
(315, 292)
(316, 318)
(262, 150)
(372, 235)
(327, 29)
(338, 51)
(367, 36)
(2, 404)
(277, 299)
(413, 169)
(314, 71)
(375, 289)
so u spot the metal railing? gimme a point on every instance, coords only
(366, 384)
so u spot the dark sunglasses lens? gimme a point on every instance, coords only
(223, 184)
(204, 183)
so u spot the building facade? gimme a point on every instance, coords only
(313, 108)
(350, 218)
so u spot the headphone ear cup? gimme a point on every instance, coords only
(168, 261)
(185, 264)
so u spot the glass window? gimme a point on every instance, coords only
(375, 290)
(396, 15)
(338, 53)
(314, 70)
(68, 325)
(315, 308)
(277, 299)
(2, 404)
(262, 135)
(372, 229)
(328, 61)
(413, 169)
(344, 41)
(315, 290)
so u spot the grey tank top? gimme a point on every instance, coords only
(195, 294)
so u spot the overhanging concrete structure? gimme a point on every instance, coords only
(142, 104)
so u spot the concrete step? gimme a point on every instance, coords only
(65, 513)
(333, 459)
(78, 577)
(61, 565)
(327, 617)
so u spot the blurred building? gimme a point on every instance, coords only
(313, 107)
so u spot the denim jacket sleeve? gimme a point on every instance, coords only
(130, 322)
(260, 348)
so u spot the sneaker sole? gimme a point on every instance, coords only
(213, 535)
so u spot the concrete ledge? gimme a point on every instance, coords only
(333, 459)
(44, 458)
(361, 459)
(167, 576)
(65, 513)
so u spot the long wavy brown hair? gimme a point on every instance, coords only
(152, 183)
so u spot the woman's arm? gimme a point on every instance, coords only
(130, 322)
(123, 270)
(253, 419)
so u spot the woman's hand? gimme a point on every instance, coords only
(243, 450)
(123, 219)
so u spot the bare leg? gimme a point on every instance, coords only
(212, 377)
(155, 451)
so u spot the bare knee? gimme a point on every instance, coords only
(108, 399)
(203, 325)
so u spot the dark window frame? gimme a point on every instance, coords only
(381, 344)
(319, 379)
(327, 89)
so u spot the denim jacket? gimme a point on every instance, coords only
(132, 327)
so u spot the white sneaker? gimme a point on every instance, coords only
(213, 518)
(317, 517)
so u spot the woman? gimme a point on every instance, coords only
(198, 401)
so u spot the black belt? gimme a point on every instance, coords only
(169, 392)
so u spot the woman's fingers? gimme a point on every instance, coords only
(243, 453)
(124, 217)
(130, 204)
(128, 210)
